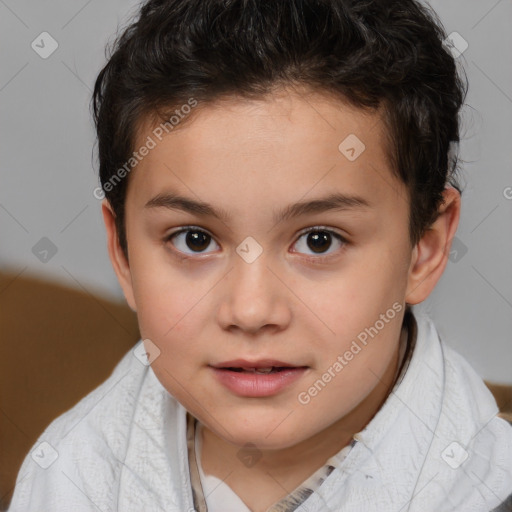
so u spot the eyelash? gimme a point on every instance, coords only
(315, 259)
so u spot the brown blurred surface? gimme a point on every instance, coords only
(57, 345)
(503, 395)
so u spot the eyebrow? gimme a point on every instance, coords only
(335, 201)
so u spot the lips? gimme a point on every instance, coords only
(257, 379)
(259, 366)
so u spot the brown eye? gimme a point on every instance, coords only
(191, 241)
(197, 240)
(319, 241)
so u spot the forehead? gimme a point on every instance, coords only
(239, 153)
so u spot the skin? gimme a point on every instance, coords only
(250, 159)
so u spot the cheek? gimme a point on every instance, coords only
(363, 308)
(353, 364)
(355, 297)
(174, 326)
(172, 319)
(164, 296)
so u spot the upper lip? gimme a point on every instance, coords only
(260, 363)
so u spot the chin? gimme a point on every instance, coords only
(264, 434)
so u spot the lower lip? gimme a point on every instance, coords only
(258, 384)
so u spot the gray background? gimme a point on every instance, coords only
(48, 172)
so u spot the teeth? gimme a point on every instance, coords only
(264, 370)
(259, 370)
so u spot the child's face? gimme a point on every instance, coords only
(304, 300)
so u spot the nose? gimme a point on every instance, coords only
(253, 299)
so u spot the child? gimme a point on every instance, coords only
(276, 374)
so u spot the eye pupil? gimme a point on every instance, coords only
(319, 241)
(196, 240)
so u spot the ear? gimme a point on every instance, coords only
(430, 255)
(117, 257)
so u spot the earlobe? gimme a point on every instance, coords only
(430, 255)
(116, 254)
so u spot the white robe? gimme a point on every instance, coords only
(436, 445)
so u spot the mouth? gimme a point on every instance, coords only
(253, 379)
(267, 370)
(263, 366)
